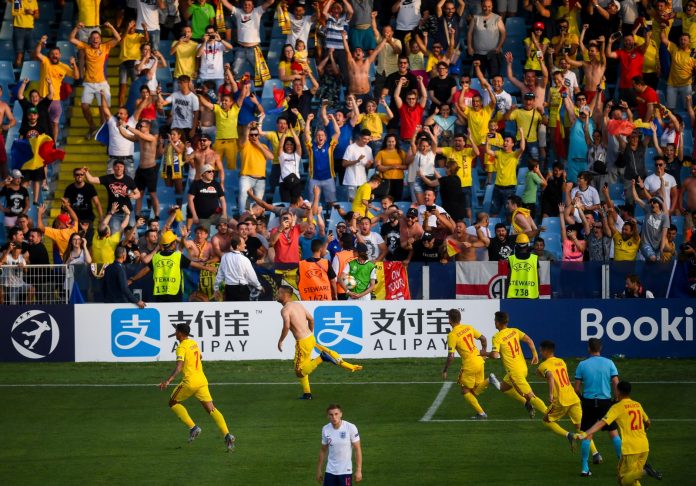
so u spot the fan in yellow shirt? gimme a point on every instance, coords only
(506, 345)
(632, 422)
(562, 397)
(194, 383)
(471, 376)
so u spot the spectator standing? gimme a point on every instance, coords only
(24, 14)
(65, 226)
(83, 199)
(502, 245)
(653, 235)
(210, 54)
(451, 191)
(376, 248)
(388, 58)
(120, 189)
(356, 160)
(248, 26)
(390, 163)
(184, 51)
(631, 59)
(321, 159)
(662, 185)
(411, 111)
(106, 241)
(200, 14)
(506, 169)
(408, 15)
(236, 274)
(681, 70)
(206, 198)
(149, 20)
(254, 155)
(485, 39)
(115, 282)
(14, 199)
(627, 242)
(120, 148)
(146, 175)
(185, 107)
(433, 217)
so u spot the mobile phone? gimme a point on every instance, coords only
(618, 35)
(430, 208)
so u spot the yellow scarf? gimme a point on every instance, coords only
(283, 18)
(261, 72)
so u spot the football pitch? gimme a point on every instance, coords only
(100, 423)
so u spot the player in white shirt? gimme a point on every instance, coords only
(357, 159)
(339, 437)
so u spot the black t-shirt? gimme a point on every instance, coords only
(25, 247)
(423, 254)
(44, 118)
(303, 103)
(501, 250)
(29, 132)
(392, 238)
(14, 200)
(81, 200)
(38, 255)
(252, 248)
(452, 197)
(442, 88)
(117, 190)
(206, 197)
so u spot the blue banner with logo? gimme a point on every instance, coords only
(636, 328)
(38, 334)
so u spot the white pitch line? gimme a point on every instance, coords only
(531, 420)
(437, 402)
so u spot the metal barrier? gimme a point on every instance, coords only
(36, 284)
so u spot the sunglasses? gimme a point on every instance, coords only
(253, 134)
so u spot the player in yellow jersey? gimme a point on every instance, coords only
(633, 422)
(562, 397)
(506, 345)
(194, 383)
(297, 320)
(471, 376)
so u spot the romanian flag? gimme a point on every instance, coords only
(452, 248)
(34, 153)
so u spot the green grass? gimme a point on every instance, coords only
(127, 435)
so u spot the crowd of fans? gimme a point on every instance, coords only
(402, 130)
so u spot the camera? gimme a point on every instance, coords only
(430, 208)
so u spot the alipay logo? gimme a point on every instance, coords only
(339, 328)
(135, 333)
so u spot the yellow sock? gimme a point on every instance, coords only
(512, 393)
(471, 398)
(304, 381)
(593, 448)
(220, 421)
(556, 429)
(310, 366)
(481, 388)
(632, 478)
(350, 367)
(538, 404)
(181, 412)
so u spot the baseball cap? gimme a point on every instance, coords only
(412, 212)
(529, 96)
(206, 168)
(538, 25)
(427, 236)
(16, 174)
(33, 110)
(63, 218)
(522, 239)
(168, 237)
(361, 248)
(658, 200)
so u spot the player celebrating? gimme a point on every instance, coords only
(337, 438)
(506, 345)
(188, 361)
(471, 376)
(297, 320)
(562, 397)
(633, 422)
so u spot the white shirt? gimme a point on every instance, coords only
(432, 220)
(372, 241)
(289, 164)
(151, 83)
(503, 101)
(119, 146)
(236, 269)
(356, 175)
(148, 12)
(653, 185)
(424, 163)
(409, 15)
(248, 25)
(14, 277)
(589, 197)
(212, 64)
(183, 107)
(340, 442)
(299, 29)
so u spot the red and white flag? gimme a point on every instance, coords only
(486, 280)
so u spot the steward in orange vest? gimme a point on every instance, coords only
(316, 280)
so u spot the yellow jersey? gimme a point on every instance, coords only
(630, 418)
(507, 343)
(185, 58)
(478, 122)
(188, 352)
(650, 56)
(94, 61)
(625, 250)
(563, 392)
(88, 12)
(130, 47)
(363, 193)
(464, 159)
(226, 122)
(374, 122)
(23, 20)
(528, 121)
(56, 73)
(682, 68)
(506, 167)
(274, 139)
(688, 26)
(461, 339)
(253, 161)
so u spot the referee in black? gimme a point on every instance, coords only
(596, 378)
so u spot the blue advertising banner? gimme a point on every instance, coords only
(636, 328)
(38, 334)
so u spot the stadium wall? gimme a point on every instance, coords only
(378, 329)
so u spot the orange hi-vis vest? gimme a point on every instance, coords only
(313, 280)
(344, 256)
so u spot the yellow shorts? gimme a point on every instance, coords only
(556, 412)
(183, 391)
(303, 353)
(472, 375)
(227, 150)
(631, 463)
(518, 380)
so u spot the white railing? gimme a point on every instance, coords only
(35, 284)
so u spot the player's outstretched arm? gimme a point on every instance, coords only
(589, 432)
(177, 369)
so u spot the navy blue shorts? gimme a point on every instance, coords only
(338, 479)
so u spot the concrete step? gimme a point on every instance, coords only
(77, 138)
(83, 158)
(97, 149)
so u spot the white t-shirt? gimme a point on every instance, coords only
(119, 145)
(356, 175)
(570, 81)
(503, 101)
(151, 83)
(14, 277)
(148, 12)
(409, 15)
(653, 185)
(372, 241)
(589, 197)
(212, 64)
(424, 163)
(183, 107)
(289, 164)
(248, 25)
(299, 29)
(432, 220)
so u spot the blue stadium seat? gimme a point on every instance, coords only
(509, 87)
(552, 225)
(7, 52)
(6, 73)
(269, 123)
(678, 221)
(515, 28)
(616, 190)
(268, 87)
(67, 50)
(553, 244)
(30, 70)
(5, 91)
(17, 110)
(522, 174)
(403, 205)
(476, 84)
(6, 30)
(492, 222)
(164, 77)
(487, 198)
(68, 13)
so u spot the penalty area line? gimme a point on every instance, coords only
(437, 402)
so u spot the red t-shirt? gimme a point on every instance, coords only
(647, 96)
(631, 66)
(287, 248)
(409, 118)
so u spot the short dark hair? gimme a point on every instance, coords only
(184, 329)
(365, 218)
(499, 225)
(454, 315)
(624, 387)
(234, 242)
(515, 199)
(365, 133)
(286, 288)
(539, 240)
(119, 252)
(502, 317)
(333, 406)
(594, 345)
(316, 245)
(549, 345)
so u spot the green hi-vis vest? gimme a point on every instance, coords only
(524, 278)
(166, 274)
(361, 272)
